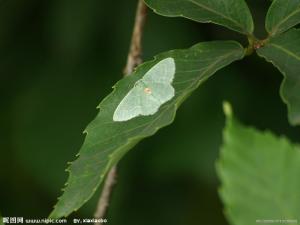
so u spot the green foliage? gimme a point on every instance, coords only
(284, 52)
(260, 175)
(233, 14)
(1, 220)
(55, 66)
(107, 141)
(282, 15)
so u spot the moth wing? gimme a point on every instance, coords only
(163, 72)
(139, 102)
(130, 106)
(148, 102)
(162, 92)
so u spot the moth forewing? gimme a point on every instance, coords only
(148, 93)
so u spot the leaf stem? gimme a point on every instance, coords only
(254, 44)
(251, 40)
(133, 59)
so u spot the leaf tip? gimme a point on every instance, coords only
(227, 109)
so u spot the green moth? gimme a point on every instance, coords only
(148, 93)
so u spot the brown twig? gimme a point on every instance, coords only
(134, 55)
(133, 59)
(105, 195)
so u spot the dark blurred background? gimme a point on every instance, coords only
(59, 58)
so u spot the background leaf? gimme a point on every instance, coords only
(284, 52)
(107, 141)
(1, 220)
(259, 174)
(282, 15)
(233, 14)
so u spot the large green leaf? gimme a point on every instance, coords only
(107, 141)
(282, 15)
(284, 52)
(260, 176)
(233, 14)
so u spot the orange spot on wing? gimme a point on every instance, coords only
(148, 91)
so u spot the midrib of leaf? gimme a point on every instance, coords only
(275, 29)
(200, 79)
(218, 13)
(287, 51)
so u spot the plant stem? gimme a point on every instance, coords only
(133, 59)
(254, 44)
(106, 193)
(135, 51)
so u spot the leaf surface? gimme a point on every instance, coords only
(284, 52)
(107, 141)
(282, 15)
(233, 14)
(259, 173)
